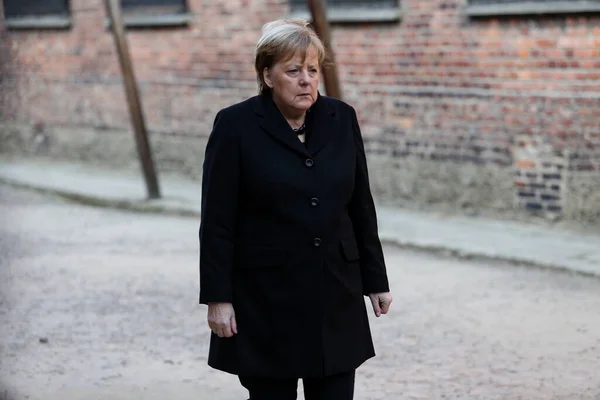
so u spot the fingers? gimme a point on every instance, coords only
(381, 303)
(234, 325)
(224, 330)
(385, 305)
(375, 303)
(221, 319)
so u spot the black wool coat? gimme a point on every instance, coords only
(288, 234)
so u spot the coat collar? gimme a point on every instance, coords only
(275, 124)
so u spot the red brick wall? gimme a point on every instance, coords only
(511, 96)
(78, 72)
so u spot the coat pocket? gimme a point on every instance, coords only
(259, 257)
(350, 250)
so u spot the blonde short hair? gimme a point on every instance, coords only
(280, 41)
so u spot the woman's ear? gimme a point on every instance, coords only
(267, 77)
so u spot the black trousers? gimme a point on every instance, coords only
(335, 387)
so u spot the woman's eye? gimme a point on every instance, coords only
(293, 71)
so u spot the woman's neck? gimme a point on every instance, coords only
(293, 117)
(296, 122)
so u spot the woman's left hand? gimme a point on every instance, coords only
(381, 302)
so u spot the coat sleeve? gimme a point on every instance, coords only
(220, 180)
(364, 219)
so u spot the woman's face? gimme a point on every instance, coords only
(294, 83)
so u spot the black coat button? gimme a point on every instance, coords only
(318, 242)
(309, 162)
(314, 202)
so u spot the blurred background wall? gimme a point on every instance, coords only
(479, 106)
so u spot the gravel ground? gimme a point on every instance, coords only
(102, 304)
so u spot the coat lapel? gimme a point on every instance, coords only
(274, 123)
(323, 125)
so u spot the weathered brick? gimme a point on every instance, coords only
(534, 206)
(552, 176)
(549, 197)
(526, 194)
(446, 89)
(525, 163)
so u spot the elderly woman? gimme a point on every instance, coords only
(288, 237)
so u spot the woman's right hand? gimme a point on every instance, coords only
(221, 319)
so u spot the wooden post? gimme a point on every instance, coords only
(330, 75)
(113, 11)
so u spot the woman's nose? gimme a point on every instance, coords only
(304, 77)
